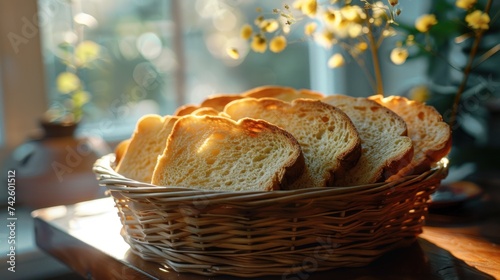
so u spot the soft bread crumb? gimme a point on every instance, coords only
(217, 153)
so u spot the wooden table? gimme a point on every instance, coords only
(86, 237)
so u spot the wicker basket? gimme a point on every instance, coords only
(250, 234)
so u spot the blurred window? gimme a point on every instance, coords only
(153, 56)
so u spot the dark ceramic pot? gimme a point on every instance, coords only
(56, 168)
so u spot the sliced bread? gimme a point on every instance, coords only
(218, 101)
(185, 110)
(431, 136)
(328, 138)
(282, 93)
(121, 149)
(203, 111)
(213, 103)
(386, 148)
(146, 145)
(217, 153)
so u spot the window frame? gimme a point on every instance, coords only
(21, 71)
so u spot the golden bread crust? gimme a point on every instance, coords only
(430, 134)
(385, 145)
(282, 93)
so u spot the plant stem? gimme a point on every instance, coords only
(475, 46)
(376, 63)
(360, 62)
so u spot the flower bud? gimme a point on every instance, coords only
(425, 22)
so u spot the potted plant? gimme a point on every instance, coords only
(67, 109)
(55, 167)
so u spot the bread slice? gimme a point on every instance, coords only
(217, 153)
(214, 103)
(218, 101)
(282, 93)
(205, 111)
(146, 145)
(327, 136)
(431, 136)
(186, 110)
(386, 148)
(121, 149)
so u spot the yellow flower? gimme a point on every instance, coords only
(362, 46)
(86, 52)
(420, 93)
(67, 82)
(478, 20)
(325, 39)
(285, 25)
(80, 98)
(259, 43)
(336, 60)
(269, 25)
(341, 28)
(332, 16)
(277, 44)
(309, 7)
(377, 21)
(310, 28)
(389, 32)
(246, 31)
(465, 4)
(358, 49)
(410, 40)
(354, 30)
(258, 20)
(233, 53)
(425, 22)
(379, 10)
(297, 4)
(399, 55)
(352, 13)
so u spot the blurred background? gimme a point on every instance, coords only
(97, 66)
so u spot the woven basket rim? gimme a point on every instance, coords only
(107, 176)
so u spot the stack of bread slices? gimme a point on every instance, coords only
(278, 138)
